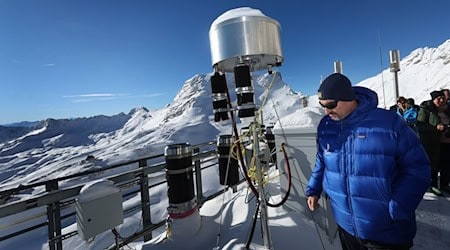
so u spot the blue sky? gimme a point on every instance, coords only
(68, 59)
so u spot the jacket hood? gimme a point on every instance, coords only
(367, 98)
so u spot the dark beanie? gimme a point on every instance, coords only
(435, 94)
(336, 87)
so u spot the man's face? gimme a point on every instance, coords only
(439, 101)
(401, 105)
(336, 110)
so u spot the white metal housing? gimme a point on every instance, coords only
(99, 208)
(300, 145)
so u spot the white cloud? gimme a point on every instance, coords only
(94, 97)
(153, 95)
(106, 97)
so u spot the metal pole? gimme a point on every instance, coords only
(198, 179)
(396, 85)
(145, 201)
(262, 201)
(394, 65)
(54, 219)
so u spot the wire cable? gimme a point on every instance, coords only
(288, 191)
(381, 68)
(223, 198)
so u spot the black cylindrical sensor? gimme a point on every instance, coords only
(230, 177)
(219, 97)
(180, 180)
(244, 91)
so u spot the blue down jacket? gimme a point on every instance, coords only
(374, 170)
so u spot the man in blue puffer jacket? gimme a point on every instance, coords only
(371, 165)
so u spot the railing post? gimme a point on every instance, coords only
(198, 179)
(145, 201)
(54, 219)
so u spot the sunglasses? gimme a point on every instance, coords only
(330, 105)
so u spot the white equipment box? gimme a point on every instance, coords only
(99, 208)
(301, 147)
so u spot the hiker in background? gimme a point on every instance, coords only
(447, 95)
(401, 103)
(410, 115)
(430, 132)
(371, 166)
(444, 162)
(399, 107)
(413, 104)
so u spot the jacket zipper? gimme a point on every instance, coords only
(347, 171)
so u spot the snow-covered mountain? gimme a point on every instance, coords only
(63, 145)
(57, 144)
(422, 71)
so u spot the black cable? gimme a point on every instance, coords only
(252, 230)
(288, 191)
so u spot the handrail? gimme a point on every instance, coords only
(88, 172)
(84, 173)
(64, 198)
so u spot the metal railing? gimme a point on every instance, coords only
(56, 204)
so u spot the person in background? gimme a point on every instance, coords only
(371, 166)
(447, 95)
(430, 132)
(413, 104)
(410, 115)
(399, 107)
(444, 161)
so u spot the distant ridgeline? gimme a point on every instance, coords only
(8, 133)
(14, 130)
